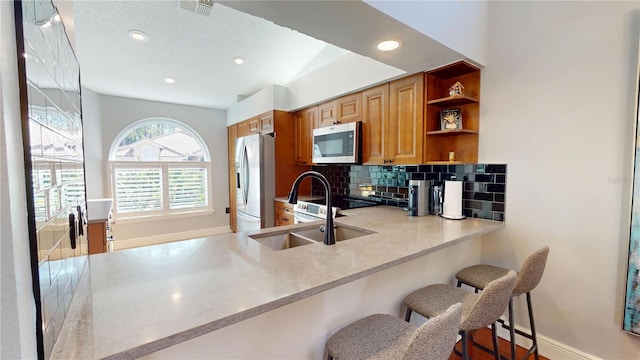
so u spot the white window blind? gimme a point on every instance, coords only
(187, 187)
(138, 189)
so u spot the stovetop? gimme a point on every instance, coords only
(345, 203)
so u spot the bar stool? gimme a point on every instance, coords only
(478, 276)
(387, 337)
(479, 310)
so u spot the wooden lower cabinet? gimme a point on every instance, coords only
(97, 232)
(283, 213)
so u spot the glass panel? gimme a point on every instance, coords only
(159, 141)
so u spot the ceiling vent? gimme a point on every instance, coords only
(202, 7)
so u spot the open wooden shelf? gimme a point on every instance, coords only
(452, 132)
(453, 101)
(462, 142)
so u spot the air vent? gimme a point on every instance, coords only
(201, 7)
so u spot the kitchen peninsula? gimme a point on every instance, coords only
(228, 296)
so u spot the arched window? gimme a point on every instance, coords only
(159, 166)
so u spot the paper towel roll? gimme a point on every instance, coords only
(452, 205)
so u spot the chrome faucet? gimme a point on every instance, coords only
(329, 237)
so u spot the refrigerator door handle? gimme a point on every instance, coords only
(245, 174)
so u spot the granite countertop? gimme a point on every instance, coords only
(146, 299)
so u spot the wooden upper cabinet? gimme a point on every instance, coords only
(349, 108)
(305, 121)
(261, 124)
(375, 125)
(243, 128)
(266, 122)
(327, 114)
(342, 110)
(406, 126)
(254, 125)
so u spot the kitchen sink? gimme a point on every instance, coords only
(305, 236)
(342, 232)
(280, 241)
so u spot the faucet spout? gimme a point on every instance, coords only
(329, 237)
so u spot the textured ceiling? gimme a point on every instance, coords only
(196, 50)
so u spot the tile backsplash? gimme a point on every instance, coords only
(484, 185)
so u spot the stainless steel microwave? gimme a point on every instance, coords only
(337, 144)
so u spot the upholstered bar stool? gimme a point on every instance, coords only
(478, 276)
(478, 310)
(387, 337)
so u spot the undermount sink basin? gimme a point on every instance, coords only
(305, 236)
(342, 232)
(280, 241)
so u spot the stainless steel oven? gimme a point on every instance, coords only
(304, 212)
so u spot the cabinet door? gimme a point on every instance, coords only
(266, 122)
(375, 125)
(97, 237)
(283, 213)
(327, 113)
(349, 108)
(232, 135)
(306, 120)
(254, 125)
(406, 127)
(243, 129)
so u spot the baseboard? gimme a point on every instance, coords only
(556, 350)
(165, 238)
(548, 347)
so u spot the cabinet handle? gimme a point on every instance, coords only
(72, 230)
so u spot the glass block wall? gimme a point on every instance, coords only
(56, 161)
(484, 185)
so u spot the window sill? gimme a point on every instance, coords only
(128, 219)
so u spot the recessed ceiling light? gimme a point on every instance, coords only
(137, 35)
(238, 60)
(388, 45)
(169, 80)
(56, 17)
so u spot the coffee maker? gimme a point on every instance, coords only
(418, 200)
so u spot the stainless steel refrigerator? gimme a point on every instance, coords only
(255, 182)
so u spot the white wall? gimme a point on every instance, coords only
(117, 113)
(347, 74)
(459, 25)
(94, 165)
(558, 107)
(18, 325)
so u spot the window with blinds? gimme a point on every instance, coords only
(159, 167)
